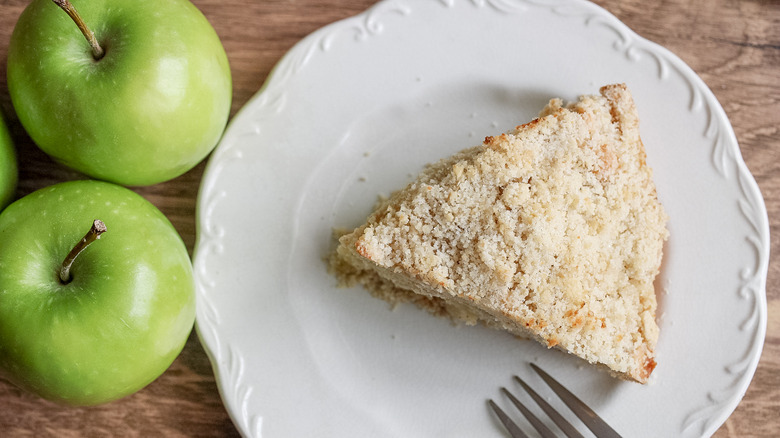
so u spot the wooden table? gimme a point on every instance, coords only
(733, 45)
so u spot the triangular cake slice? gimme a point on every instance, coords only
(551, 231)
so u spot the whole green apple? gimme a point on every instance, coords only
(119, 315)
(146, 110)
(8, 169)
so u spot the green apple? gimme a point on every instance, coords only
(8, 170)
(148, 108)
(119, 312)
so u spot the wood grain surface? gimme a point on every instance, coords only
(733, 45)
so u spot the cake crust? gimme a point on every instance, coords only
(551, 231)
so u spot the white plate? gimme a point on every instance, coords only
(357, 108)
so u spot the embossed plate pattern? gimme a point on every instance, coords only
(357, 108)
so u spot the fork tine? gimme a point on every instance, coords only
(535, 422)
(557, 418)
(510, 425)
(586, 414)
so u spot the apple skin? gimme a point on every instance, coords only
(123, 318)
(151, 109)
(8, 169)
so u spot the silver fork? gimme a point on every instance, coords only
(598, 426)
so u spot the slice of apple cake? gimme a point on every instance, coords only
(551, 231)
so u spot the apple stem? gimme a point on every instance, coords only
(97, 51)
(98, 228)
